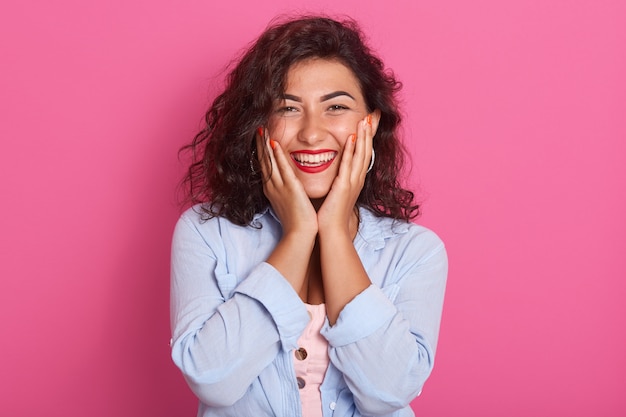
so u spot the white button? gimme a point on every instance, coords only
(332, 405)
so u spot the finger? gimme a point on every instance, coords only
(360, 154)
(282, 163)
(275, 174)
(287, 186)
(271, 175)
(369, 144)
(345, 166)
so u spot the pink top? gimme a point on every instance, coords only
(311, 361)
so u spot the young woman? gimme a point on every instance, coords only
(299, 284)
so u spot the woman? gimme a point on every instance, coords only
(299, 285)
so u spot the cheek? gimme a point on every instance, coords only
(278, 129)
(342, 129)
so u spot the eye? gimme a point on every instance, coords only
(337, 107)
(286, 109)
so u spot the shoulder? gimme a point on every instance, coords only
(389, 233)
(197, 220)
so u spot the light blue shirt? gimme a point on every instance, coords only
(236, 320)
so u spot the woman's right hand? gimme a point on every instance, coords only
(295, 211)
(284, 191)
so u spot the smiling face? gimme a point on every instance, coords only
(321, 107)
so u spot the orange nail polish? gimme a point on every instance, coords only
(369, 119)
(353, 138)
(260, 131)
(273, 143)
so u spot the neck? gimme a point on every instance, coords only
(317, 203)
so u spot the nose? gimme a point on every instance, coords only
(312, 129)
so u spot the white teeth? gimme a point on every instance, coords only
(313, 159)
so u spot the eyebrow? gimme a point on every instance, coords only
(322, 99)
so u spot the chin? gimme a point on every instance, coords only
(317, 196)
(317, 193)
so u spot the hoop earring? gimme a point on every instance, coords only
(252, 158)
(371, 161)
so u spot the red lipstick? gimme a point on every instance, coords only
(312, 162)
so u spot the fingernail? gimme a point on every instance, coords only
(369, 119)
(353, 138)
(260, 131)
(273, 143)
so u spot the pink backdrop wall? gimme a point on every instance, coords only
(515, 117)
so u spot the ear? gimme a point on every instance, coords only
(375, 121)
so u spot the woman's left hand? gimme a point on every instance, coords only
(343, 274)
(337, 212)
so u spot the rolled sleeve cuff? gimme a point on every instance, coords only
(266, 285)
(366, 313)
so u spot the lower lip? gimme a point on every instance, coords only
(313, 169)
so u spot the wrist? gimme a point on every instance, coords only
(300, 236)
(335, 234)
(339, 230)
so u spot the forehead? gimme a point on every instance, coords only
(321, 75)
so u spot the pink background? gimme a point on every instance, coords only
(516, 120)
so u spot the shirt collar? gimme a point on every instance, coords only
(262, 213)
(373, 230)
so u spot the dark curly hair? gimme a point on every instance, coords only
(221, 174)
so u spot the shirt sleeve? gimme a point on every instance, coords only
(384, 340)
(222, 343)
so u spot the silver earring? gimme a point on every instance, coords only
(372, 161)
(252, 158)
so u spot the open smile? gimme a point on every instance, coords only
(313, 161)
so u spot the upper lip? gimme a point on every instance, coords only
(319, 156)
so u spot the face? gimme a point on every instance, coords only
(320, 109)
